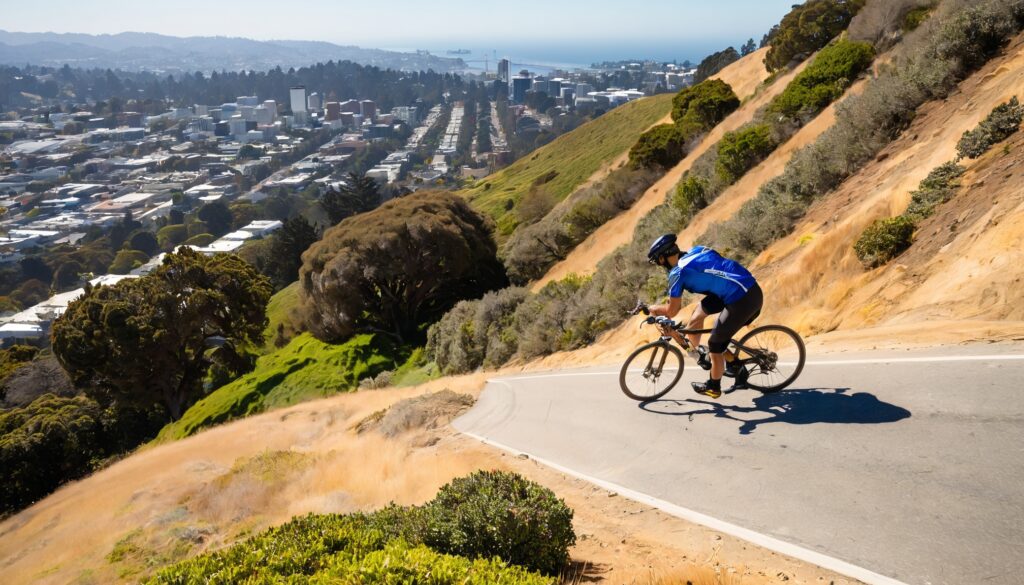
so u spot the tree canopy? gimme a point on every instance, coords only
(148, 341)
(358, 195)
(398, 268)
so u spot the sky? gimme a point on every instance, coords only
(687, 26)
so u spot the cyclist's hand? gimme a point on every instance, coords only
(641, 307)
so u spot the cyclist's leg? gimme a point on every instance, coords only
(709, 305)
(733, 318)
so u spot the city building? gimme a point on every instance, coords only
(504, 66)
(333, 111)
(520, 85)
(298, 98)
(247, 100)
(368, 109)
(315, 102)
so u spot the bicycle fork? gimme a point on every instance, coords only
(649, 372)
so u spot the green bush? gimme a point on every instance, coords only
(171, 235)
(915, 17)
(824, 80)
(741, 150)
(126, 260)
(884, 240)
(200, 240)
(1004, 120)
(691, 194)
(704, 104)
(496, 513)
(807, 28)
(662, 146)
(938, 187)
(714, 63)
(504, 525)
(476, 333)
(57, 439)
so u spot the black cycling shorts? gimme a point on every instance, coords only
(733, 317)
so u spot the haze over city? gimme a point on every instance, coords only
(573, 31)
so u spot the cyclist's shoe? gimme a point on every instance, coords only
(703, 360)
(712, 388)
(733, 368)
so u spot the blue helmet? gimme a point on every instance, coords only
(663, 246)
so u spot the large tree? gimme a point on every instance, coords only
(152, 340)
(360, 194)
(284, 254)
(398, 268)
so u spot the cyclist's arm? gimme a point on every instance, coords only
(669, 309)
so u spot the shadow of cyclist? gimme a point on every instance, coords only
(797, 407)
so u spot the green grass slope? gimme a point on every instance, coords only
(304, 369)
(574, 156)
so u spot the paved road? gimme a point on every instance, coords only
(912, 469)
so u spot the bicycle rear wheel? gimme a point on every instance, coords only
(775, 356)
(651, 371)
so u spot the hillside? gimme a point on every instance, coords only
(134, 51)
(960, 281)
(572, 158)
(745, 76)
(966, 264)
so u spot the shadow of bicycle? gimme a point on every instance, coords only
(795, 407)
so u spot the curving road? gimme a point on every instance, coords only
(888, 467)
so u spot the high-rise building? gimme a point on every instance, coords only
(368, 109)
(298, 98)
(504, 67)
(247, 100)
(315, 102)
(264, 116)
(351, 106)
(520, 85)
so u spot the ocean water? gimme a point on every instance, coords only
(544, 58)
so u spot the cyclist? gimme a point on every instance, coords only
(728, 289)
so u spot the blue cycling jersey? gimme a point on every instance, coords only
(704, 271)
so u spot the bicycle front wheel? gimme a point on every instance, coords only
(651, 371)
(774, 357)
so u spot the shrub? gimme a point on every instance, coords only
(200, 240)
(704, 104)
(938, 187)
(661, 146)
(533, 249)
(476, 333)
(172, 235)
(714, 63)
(807, 28)
(883, 23)
(739, 151)
(824, 80)
(884, 240)
(499, 519)
(1004, 120)
(691, 194)
(496, 513)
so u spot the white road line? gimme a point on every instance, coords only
(852, 362)
(762, 540)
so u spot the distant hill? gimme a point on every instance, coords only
(133, 51)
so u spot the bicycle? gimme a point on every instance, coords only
(770, 358)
